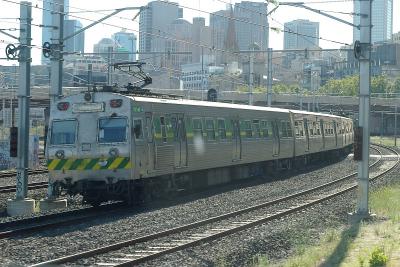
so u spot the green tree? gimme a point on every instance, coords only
(347, 86)
(380, 85)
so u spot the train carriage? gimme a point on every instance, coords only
(107, 145)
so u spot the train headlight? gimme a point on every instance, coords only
(63, 106)
(87, 96)
(113, 152)
(60, 154)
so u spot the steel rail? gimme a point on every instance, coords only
(68, 218)
(14, 173)
(217, 232)
(31, 186)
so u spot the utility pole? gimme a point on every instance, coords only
(109, 61)
(395, 126)
(22, 205)
(269, 78)
(362, 51)
(56, 65)
(251, 63)
(57, 45)
(24, 100)
(364, 56)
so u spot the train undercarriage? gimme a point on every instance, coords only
(136, 192)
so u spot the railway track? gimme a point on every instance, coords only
(44, 222)
(145, 248)
(31, 186)
(7, 174)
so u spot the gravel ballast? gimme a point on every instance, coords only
(71, 239)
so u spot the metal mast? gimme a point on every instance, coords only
(365, 82)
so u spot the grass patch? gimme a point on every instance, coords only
(374, 243)
(385, 140)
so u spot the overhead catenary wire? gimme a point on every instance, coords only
(158, 35)
(207, 12)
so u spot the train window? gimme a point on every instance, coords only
(112, 130)
(311, 128)
(266, 129)
(317, 128)
(256, 128)
(63, 132)
(299, 128)
(210, 129)
(221, 129)
(197, 128)
(247, 129)
(163, 127)
(282, 129)
(137, 129)
(289, 129)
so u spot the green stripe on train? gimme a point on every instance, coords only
(89, 164)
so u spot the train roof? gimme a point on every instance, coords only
(181, 101)
(224, 105)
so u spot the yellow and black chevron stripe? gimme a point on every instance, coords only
(89, 164)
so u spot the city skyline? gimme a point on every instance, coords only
(343, 34)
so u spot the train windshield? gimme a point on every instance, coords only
(63, 132)
(112, 130)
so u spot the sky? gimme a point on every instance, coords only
(329, 29)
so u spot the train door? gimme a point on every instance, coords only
(151, 151)
(180, 142)
(138, 145)
(307, 135)
(275, 139)
(236, 140)
(321, 126)
(335, 133)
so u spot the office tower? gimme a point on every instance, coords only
(102, 47)
(76, 43)
(201, 35)
(251, 24)
(153, 25)
(125, 42)
(219, 25)
(382, 20)
(301, 34)
(47, 21)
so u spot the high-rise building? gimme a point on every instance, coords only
(251, 24)
(218, 25)
(153, 25)
(201, 38)
(382, 20)
(181, 32)
(47, 21)
(102, 47)
(301, 34)
(125, 42)
(76, 43)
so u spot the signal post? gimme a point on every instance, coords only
(22, 205)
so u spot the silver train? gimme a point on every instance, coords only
(112, 146)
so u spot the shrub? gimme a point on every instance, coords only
(378, 258)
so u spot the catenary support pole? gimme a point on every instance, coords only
(251, 63)
(269, 78)
(364, 113)
(56, 60)
(24, 99)
(109, 61)
(57, 50)
(395, 125)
